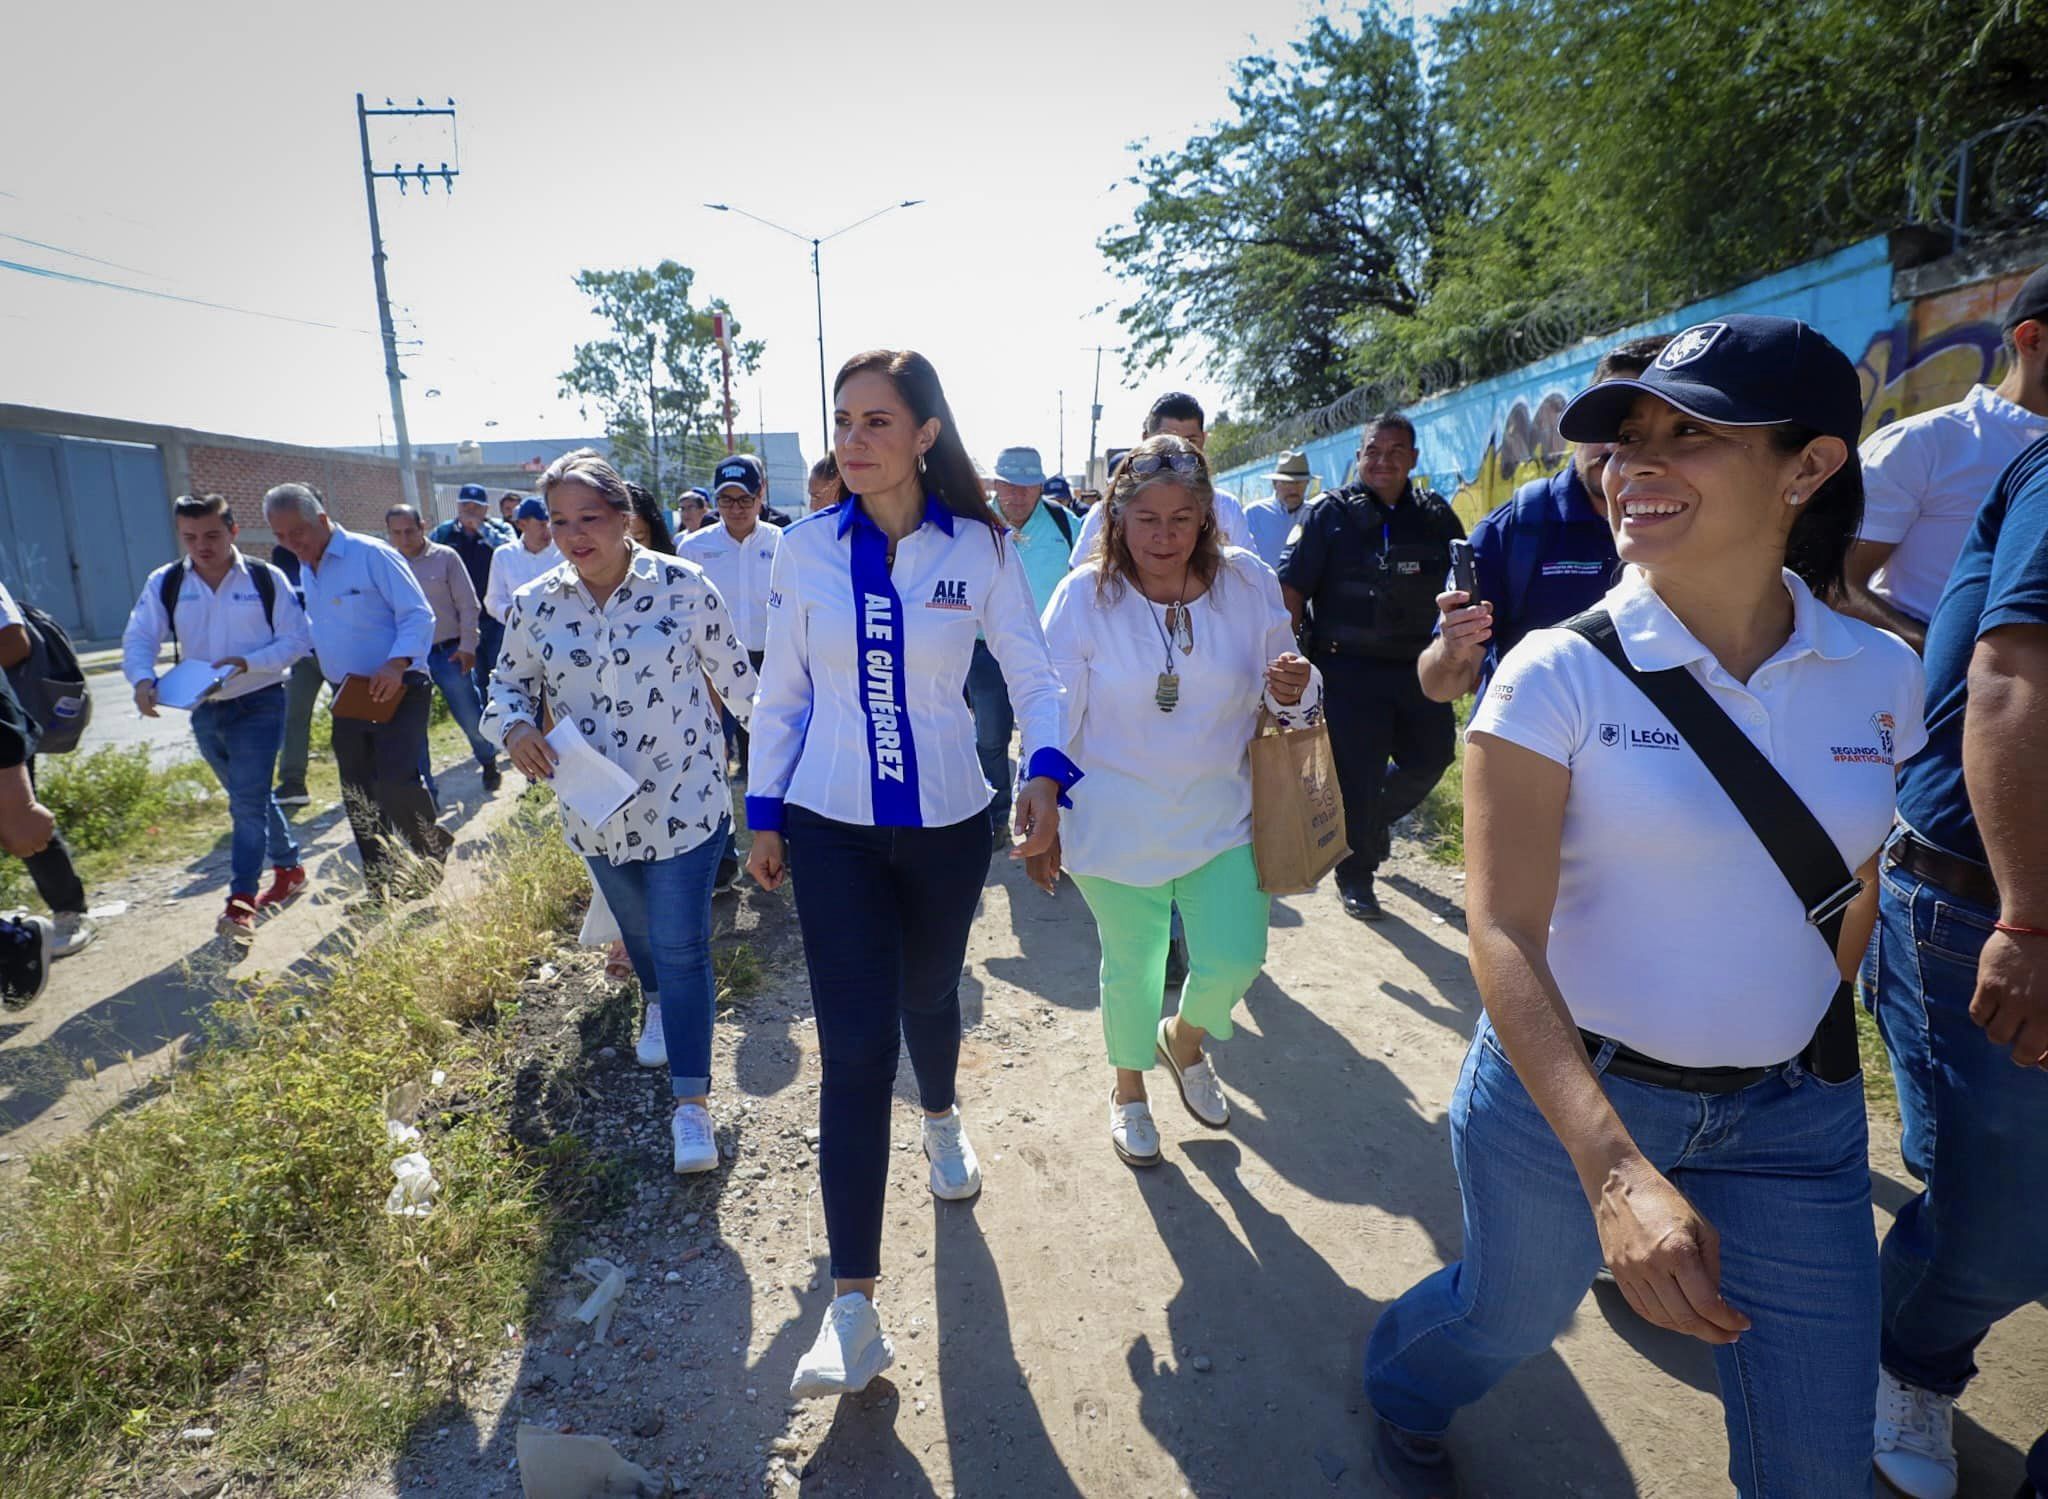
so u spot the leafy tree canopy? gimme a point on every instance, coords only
(660, 364)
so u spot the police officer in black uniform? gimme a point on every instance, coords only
(1364, 566)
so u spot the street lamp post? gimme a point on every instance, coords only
(815, 241)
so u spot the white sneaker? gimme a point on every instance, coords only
(696, 1146)
(71, 934)
(1199, 1088)
(1916, 1450)
(850, 1351)
(956, 1172)
(1132, 1133)
(651, 1050)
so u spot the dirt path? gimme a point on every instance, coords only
(116, 1017)
(1084, 1329)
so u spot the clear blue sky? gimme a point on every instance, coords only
(210, 151)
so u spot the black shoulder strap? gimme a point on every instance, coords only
(1788, 830)
(1059, 518)
(167, 595)
(265, 579)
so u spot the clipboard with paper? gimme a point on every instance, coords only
(190, 683)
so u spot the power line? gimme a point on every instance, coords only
(52, 274)
(22, 239)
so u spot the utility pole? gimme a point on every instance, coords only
(818, 282)
(1095, 414)
(653, 418)
(1063, 434)
(407, 479)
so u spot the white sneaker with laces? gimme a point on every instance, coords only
(956, 1171)
(850, 1351)
(1916, 1450)
(70, 934)
(1199, 1088)
(696, 1146)
(1132, 1134)
(651, 1050)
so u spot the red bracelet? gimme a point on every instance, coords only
(2016, 929)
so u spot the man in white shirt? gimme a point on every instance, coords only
(1181, 415)
(513, 567)
(215, 605)
(738, 555)
(1926, 476)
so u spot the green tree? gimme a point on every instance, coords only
(657, 371)
(1319, 199)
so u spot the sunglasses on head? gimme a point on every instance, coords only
(1146, 464)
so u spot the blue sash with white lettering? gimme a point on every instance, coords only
(878, 650)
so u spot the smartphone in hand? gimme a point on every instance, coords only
(1464, 576)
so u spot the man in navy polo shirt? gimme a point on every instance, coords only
(1543, 557)
(1958, 979)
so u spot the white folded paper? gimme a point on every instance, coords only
(588, 784)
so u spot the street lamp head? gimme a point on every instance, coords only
(720, 207)
(910, 203)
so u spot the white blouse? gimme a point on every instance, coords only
(1674, 931)
(1166, 792)
(861, 716)
(632, 675)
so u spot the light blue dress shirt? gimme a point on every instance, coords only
(365, 608)
(1271, 523)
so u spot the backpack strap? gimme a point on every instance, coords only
(265, 578)
(1801, 848)
(1060, 519)
(167, 595)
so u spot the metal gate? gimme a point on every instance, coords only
(82, 524)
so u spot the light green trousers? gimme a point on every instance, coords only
(1224, 914)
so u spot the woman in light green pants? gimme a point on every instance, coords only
(1168, 644)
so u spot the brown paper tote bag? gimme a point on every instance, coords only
(1297, 810)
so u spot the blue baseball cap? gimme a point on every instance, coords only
(531, 509)
(740, 471)
(1738, 371)
(1020, 466)
(473, 494)
(1057, 488)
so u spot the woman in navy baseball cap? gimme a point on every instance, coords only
(1665, 1080)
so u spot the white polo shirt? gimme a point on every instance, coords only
(740, 571)
(1924, 479)
(861, 715)
(1673, 931)
(1229, 515)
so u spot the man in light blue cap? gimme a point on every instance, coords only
(1043, 535)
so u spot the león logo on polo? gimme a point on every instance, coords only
(1612, 734)
(1689, 345)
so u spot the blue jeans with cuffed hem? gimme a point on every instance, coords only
(885, 914)
(663, 908)
(1972, 1247)
(1779, 1168)
(988, 698)
(239, 740)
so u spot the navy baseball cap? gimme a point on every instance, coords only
(2029, 304)
(740, 471)
(1057, 488)
(531, 509)
(472, 493)
(1738, 371)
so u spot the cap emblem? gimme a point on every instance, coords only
(1690, 345)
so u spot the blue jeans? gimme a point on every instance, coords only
(490, 636)
(988, 698)
(1973, 1246)
(458, 690)
(663, 908)
(1779, 1168)
(885, 914)
(239, 740)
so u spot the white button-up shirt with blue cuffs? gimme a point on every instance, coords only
(365, 608)
(216, 623)
(861, 717)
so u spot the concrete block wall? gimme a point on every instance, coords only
(358, 490)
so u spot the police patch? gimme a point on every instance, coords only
(1690, 345)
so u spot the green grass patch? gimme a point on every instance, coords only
(220, 1255)
(119, 809)
(1441, 817)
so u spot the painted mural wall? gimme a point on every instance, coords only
(1477, 444)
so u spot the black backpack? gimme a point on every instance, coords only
(1065, 522)
(262, 574)
(50, 684)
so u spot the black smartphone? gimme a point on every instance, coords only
(1464, 576)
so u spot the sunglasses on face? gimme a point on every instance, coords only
(1146, 464)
